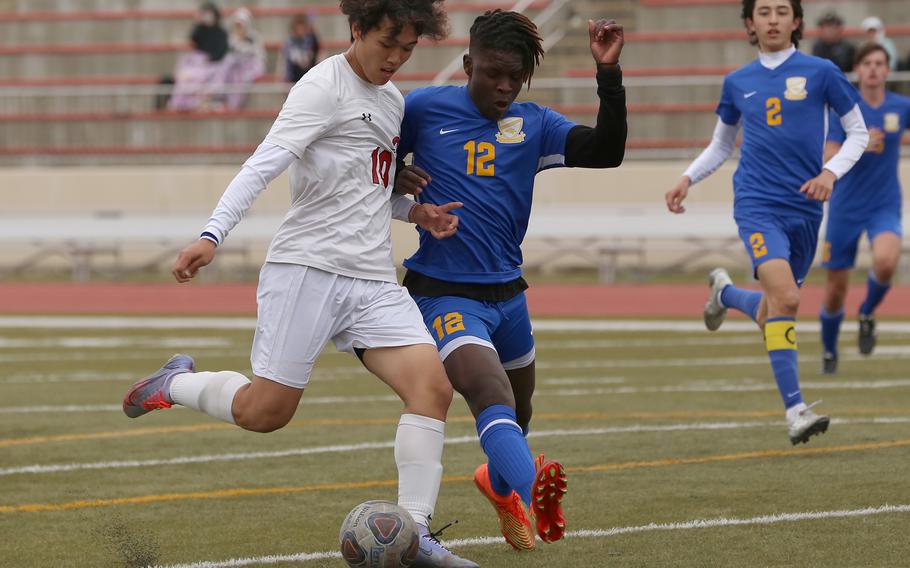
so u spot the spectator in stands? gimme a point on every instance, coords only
(875, 33)
(208, 36)
(200, 75)
(299, 52)
(831, 43)
(246, 59)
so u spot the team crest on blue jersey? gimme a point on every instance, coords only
(796, 89)
(510, 130)
(892, 122)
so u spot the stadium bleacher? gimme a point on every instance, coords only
(77, 79)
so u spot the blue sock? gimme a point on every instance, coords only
(780, 339)
(875, 293)
(509, 460)
(830, 329)
(746, 301)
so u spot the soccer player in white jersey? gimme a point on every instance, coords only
(781, 100)
(329, 272)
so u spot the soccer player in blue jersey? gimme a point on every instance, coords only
(866, 199)
(781, 101)
(475, 142)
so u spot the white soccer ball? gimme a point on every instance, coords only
(378, 534)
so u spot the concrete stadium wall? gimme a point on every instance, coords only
(191, 191)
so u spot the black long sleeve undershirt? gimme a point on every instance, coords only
(603, 146)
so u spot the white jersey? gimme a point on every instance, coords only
(344, 132)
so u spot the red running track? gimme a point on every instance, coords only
(240, 299)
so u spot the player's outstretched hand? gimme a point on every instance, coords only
(820, 187)
(411, 179)
(677, 195)
(192, 258)
(607, 39)
(436, 218)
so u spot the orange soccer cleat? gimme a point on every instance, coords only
(546, 499)
(513, 519)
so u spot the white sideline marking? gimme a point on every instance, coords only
(584, 533)
(699, 387)
(585, 381)
(114, 342)
(348, 448)
(247, 323)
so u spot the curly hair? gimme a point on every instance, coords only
(427, 16)
(509, 31)
(797, 5)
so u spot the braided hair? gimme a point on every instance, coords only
(427, 16)
(797, 6)
(500, 30)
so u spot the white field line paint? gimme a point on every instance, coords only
(319, 375)
(711, 340)
(116, 407)
(584, 381)
(722, 388)
(348, 448)
(245, 323)
(75, 377)
(885, 352)
(97, 342)
(584, 533)
(700, 387)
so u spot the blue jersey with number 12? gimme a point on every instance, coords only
(486, 164)
(784, 113)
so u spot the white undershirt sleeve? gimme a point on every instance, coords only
(401, 207)
(854, 144)
(266, 164)
(722, 144)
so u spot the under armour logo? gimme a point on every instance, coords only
(366, 116)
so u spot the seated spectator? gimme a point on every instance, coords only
(246, 59)
(875, 33)
(831, 43)
(199, 75)
(300, 52)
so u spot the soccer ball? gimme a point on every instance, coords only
(378, 534)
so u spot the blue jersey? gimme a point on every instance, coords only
(784, 114)
(490, 167)
(873, 183)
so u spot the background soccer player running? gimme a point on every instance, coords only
(866, 199)
(329, 271)
(781, 101)
(474, 144)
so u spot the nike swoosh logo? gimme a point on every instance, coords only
(792, 394)
(444, 131)
(747, 95)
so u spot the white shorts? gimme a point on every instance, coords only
(301, 308)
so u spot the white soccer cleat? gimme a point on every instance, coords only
(715, 312)
(804, 423)
(432, 554)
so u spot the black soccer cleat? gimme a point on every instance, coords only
(866, 337)
(829, 363)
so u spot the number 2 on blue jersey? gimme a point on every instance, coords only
(774, 116)
(480, 158)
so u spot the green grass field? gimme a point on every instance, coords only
(659, 429)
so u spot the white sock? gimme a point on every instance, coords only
(418, 454)
(209, 392)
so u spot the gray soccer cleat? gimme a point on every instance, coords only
(715, 312)
(807, 424)
(866, 337)
(829, 363)
(153, 392)
(432, 554)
